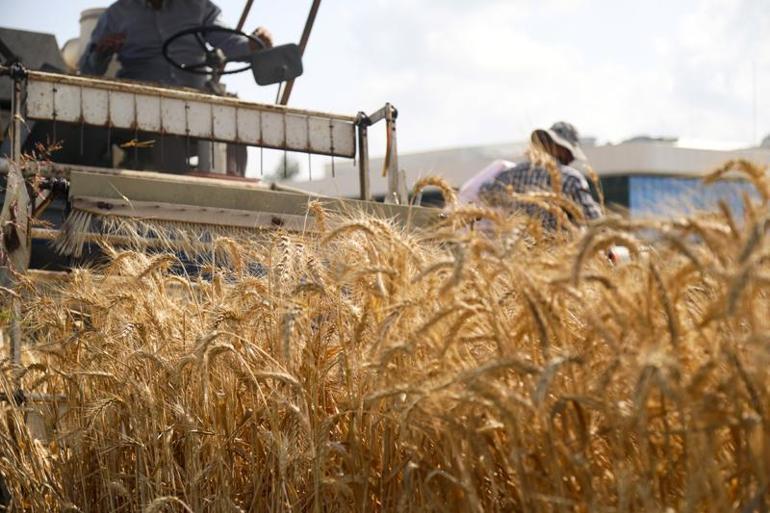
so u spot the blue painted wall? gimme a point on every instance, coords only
(662, 196)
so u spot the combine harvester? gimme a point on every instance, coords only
(79, 202)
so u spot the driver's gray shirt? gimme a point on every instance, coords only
(146, 29)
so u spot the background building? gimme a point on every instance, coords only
(647, 176)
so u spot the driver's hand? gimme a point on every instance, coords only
(111, 43)
(264, 35)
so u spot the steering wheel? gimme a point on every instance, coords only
(215, 59)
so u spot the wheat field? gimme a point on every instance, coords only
(364, 368)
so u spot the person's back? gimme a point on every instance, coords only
(505, 185)
(528, 177)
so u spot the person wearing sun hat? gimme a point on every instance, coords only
(565, 136)
(493, 185)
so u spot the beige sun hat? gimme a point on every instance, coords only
(565, 135)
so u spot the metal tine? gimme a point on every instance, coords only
(109, 125)
(187, 136)
(285, 151)
(25, 130)
(161, 135)
(261, 148)
(309, 154)
(136, 136)
(331, 147)
(136, 147)
(82, 123)
(53, 127)
(212, 159)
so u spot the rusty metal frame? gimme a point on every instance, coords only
(396, 185)
(184, 112)
(363, 158)
(173, 92)
(190, 98)
(192, 102)
(16, 124)
(16, 211)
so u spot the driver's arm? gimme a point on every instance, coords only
(232, 45)
(105, 41)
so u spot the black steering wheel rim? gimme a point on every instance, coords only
(202, 68)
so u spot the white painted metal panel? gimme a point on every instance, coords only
(148, 115)
(40, 100)
(248, 126)
(225, 127)
(296, 132)
(141, 107)
(344, 138)
(273, 129)
(122, 113)
(174, 115)
(320, 133)
(66, 100)
(199, 119)
(96, 108)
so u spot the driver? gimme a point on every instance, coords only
(135, 30)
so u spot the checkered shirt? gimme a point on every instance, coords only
(524, 177)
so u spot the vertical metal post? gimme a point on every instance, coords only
(204, 156)
(16, 136)
(396, 186)
(244, 15)
(15, 333)
(302, 45)
(16, 122)
(363, 156)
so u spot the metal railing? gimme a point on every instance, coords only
(150, 109)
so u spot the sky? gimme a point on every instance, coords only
(490, 71)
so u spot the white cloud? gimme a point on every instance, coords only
(467, 73)
(491, 70)
(721, 62)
